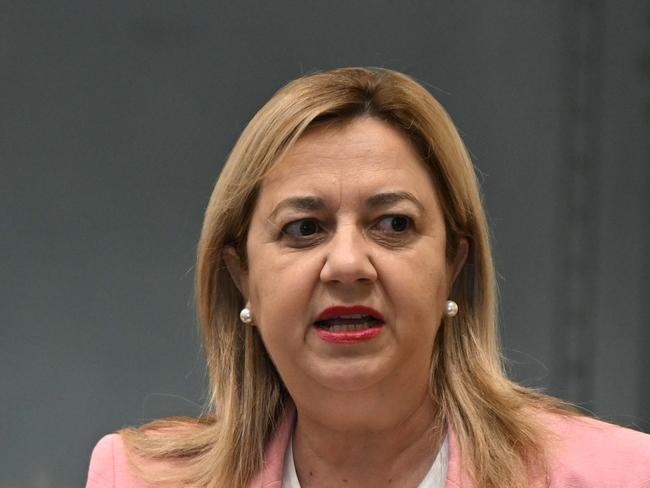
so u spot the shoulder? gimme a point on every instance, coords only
(586, 452)
(101, 472)
(109, 466)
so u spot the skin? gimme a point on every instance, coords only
(364, 412)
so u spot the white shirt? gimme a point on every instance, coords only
(435, 477)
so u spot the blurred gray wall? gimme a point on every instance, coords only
(115, 120)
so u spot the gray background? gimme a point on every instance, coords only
(115, 120)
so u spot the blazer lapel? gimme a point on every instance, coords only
(271, 475)
(456, 477)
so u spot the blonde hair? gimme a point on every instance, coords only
(500, 442)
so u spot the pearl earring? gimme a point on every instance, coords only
(246, 316)
(451, 308)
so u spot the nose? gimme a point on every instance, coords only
(348, 258)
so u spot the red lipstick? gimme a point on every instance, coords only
(350, 337)
(341, 310)
(335, 324)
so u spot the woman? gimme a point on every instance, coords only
(346, 294)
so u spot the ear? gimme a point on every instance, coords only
(236, 270)
(454, 267)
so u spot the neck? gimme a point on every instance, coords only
(394, 445)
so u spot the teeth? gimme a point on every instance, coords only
(348, 327)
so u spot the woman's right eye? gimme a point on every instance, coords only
(302, 229)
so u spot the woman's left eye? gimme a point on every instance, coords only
(394, 224)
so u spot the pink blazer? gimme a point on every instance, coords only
(587, 454)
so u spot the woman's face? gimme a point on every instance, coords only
(347, 277)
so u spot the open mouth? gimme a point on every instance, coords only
(349, 323)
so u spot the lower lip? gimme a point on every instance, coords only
(349, 337)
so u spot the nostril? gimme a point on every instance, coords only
(348, 270)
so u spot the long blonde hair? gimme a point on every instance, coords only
(500, 442)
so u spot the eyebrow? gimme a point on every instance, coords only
(309, 204)
(312, 204)
(391, 198)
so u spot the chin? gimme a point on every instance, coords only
(352, 375)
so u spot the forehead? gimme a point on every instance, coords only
(359, 154)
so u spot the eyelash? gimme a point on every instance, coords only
(312, 238)
(298, 225)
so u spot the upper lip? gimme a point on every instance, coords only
(343, 310)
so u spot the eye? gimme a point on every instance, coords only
(394, 224)
(301, 229)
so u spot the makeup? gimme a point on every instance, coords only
(349, 324)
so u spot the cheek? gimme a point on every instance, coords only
(418, 292)
(280, 293)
